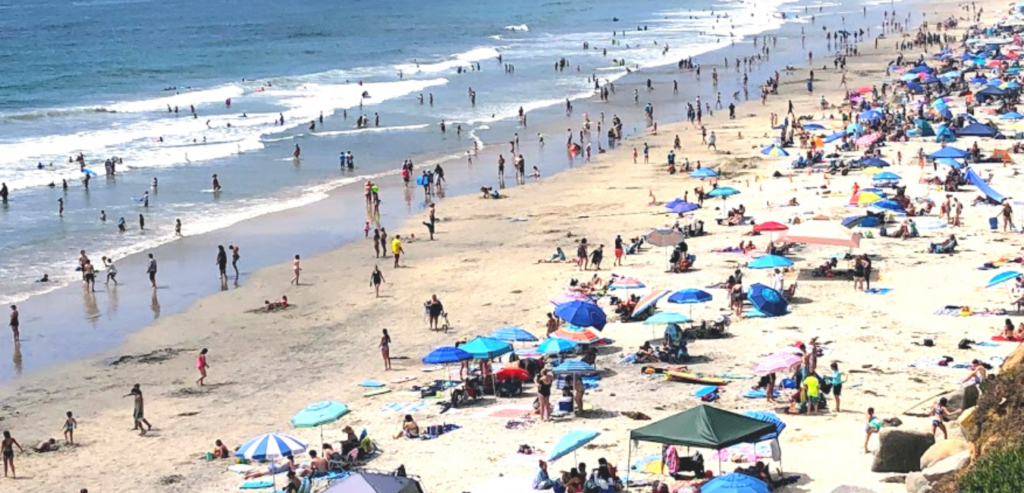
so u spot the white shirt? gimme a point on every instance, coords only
(778, 281)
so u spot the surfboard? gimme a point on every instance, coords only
(88, 171)
(705, 391)
(421, 181)
(371, 383)
(376, 392)
(402, 379)
(240, 468)
(431, 368)
(678, 376)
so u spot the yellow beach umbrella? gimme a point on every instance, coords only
(866, 198)
(872, 170)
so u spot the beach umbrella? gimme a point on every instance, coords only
(575, 334)
(318, 414)
(582, 314)
(704, 173)
(556, 345)
(723, 192)
(872, 170)
(889, 205)
(949, 152)
(920, 69)
(813, 126)
(770, 262)
(573, 367)
(861, 221)
(1012, 115)
(908, 77)
(648, 301)
(665, 237)
(952, 163)
(690, 296)
(570, 296)
(834, 137)
(779, 362)
(665, 318)
(270, 446)
(768, 417)
(1003, 277)
(626, 283)
(770, 226)
(774, 150)
(870, 115)
(735, 483)
(513, 334)
(767, 300)
(854, 128)
(863, 90)
(875, 162)
(887, 175)
(486, 348)
(822, 233)
(570, 442)
(446, 355)
(680, 207)
(867, 140)
(510, 372)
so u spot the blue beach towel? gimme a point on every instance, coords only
(255, 485)
(759, 394)
(371, 384)
(879, 291)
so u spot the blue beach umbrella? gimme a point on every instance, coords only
(860, 221)
(770, 262)
(875, 162)
(570, 442)
(834, 137)
(681, 207)
(723, 192)
(513, 334)
(870, 115)
(689, 296)
(270, 446)
(767, 417)
(556, 345)
(573, 367)
(582, 314)
(813, 126)
(953, 163)
(774, 150)
(735, 483)
(1003, 277)
(886, 176)
(908, 77)
(318, 414)
(767, 300)
(889, 205)
(665, 318)
(486, 348)
(704, 173)
(446, 355)
(854, 128)
(949, 152)
(1012, 115)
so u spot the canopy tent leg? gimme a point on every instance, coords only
(629, 461)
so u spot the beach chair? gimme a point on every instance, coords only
(789, 292)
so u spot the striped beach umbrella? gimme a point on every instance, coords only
(513, 334)
(556, 345)
(270, 446)
(578, 335)
(774, 151)
(626, 283)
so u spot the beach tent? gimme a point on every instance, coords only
(822, 233)
(705, 427)
(989, 91)
(950, 152)
(924, 128)
(977, 130)
(945, 135)
(373, 482)
(735, 483)
(983, 187)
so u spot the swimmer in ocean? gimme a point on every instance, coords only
(296, 152)
(216, 184)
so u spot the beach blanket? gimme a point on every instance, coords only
(749, 452)
(879, 291)
(759, 394)
(432, 432)
(404, 407)
(628, 360)
(509, 412)
(257, 484)
(963, 311)
(1003, 339)
(641, 464)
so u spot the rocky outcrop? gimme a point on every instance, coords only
(947, 466)
(901, 450)
(941, 450)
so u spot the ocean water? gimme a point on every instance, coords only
(97, 77)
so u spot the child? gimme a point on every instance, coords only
(366, 230)
(872, 426)
(202, 366)
(69, 429)
(941, 414)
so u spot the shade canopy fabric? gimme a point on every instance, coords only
(445, 355)
(822, 233)
(770, 262)
(690, 296)
(664, 237)
(319, 413)
(513, 334)
(570, 442)
(705, 427)
(665, 318)
(770, 226)
(556, 345)
(735, 483)
(486, 347)
(650, 300)
(371, 482)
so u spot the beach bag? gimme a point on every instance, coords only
(826, 385)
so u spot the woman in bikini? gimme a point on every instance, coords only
(7, 449)
(385, 349)
(941, 414)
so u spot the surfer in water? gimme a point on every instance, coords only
(216, 184)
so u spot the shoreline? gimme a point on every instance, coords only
(335, 337)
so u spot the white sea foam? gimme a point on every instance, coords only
(520, 27)
(450, 64)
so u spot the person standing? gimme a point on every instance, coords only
(385, 349)
(552, 324)
(222, 263)
(151, 270)
(15, 323)
(837, 383)
(376, 242)
(619, 252)
(384, 242)
(376, 279)
(396, 248)
(430, 222)
(234, 258)
(69, 428)
(139, 414)
(108, 263)
(296, 268)
(177, 227)
(7, 448)
(202, 365)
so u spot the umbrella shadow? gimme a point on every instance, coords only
(800, 300)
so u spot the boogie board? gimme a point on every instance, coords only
(711, 389)
(88, 171)
(371, 383)
(679, 376)
(421, 181)
(376, 392)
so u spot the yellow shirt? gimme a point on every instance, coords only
(812, 386)
(396, 246)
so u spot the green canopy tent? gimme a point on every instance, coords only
(704, 427)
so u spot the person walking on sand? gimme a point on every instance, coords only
(202, 365)
(222, 263)
(385, 349)
(15, 323)
(619, 252)
(151, 270)
(296, 268)
(376, 242)
(139, 414)
(871, 426)
(396, 248)
(7, 448)
(376, 279)
(177, 227)
(69, 429)
(430, 222)
(108, 263)
(711, 141)
(384, 242)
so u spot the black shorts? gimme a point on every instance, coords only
(223, 268)
(152, 276)
(837, 390)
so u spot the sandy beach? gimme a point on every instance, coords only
(483, 265)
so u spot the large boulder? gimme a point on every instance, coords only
(916, 483)
(968, 423)
(901, 450)
(963, 398)
(947, 466)
(941, 450)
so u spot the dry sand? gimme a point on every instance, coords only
(265, 367)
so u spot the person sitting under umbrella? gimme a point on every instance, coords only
(220, 451)
(351, 440)
(646, 354)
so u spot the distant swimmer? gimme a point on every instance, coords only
(177, 227)
(103, 216)
(145, 199)
(142, 222)
(154, 183)
(297, 152)
(60, 207)
(312, 125)
(121, 226)
(227, 103)
(216, 184)
(3, 193)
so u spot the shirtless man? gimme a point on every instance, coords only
(139, 414)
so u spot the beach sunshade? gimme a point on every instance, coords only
(872, 170)
(626, 283)
(948, 161)
(512, 373)
(270, 446)
(680, 207)
(768, 417)
(861, 222)
(705, 427)
(920, 69)
(870, 115)
(445, 355)
(774, 151)
(1012, 115)
(770, 262)
(319, 413)
(650, 300)
(704, 173)
(770, 226)
(977, 130)
(949, 152)
(723, 192)
(556, 345)
(867, 140)
(665, 237)
(513, 334)
(486, 348)
(889, 205)
(822, 233)
(573, 367)
(665, 318)
(780, 362)
(854, 128)
(863, 90)
(908, 77)
(690, 296)
(1003, 277)
(582, 314)
(578, 335)
(875, 162)
(570, 296)
(813, 126)
(834, 137)
(735, 483)
(373, 482)
(570, 442)
(886, 176)
(767, 300)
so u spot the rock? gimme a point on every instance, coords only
(901, 450)
(964, 398)
(968, 423)
(916, 483)
(849, 488)
(941, 450)
(947, 466)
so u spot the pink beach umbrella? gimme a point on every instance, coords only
(867, 140)
(782, 361)
(568, 297)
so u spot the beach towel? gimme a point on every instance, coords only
(404, 407)
(753, 313)
(962, 311)
(759, 394)
(1003, 339)
(628, 360)
(256, 484)
(332, 476)
(879, 291)
(509, 412)
(641, 465)
(432, 432)
(371, 384)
